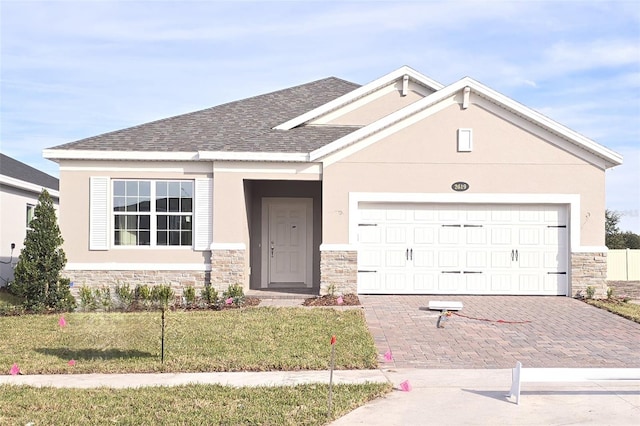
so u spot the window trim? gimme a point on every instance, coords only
(153, 215)
(30, 208)
(100, 210)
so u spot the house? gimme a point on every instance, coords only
(20, 187)
(400, 186)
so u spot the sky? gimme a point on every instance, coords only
(74, 69)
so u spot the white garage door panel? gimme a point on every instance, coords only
(476, 283)
(476, 259)
(395, 258)
(424, 258)
(368, 282)
(462, 249)
(424, 282)
(449, 283)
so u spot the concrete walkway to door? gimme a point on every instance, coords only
(561, 332)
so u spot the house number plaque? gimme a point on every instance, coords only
(460, 186)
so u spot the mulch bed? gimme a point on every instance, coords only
(248, 301)
(328, 300)
(625, 288)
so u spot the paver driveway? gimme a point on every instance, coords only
(562, 332)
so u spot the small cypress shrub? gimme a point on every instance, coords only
(37, 277)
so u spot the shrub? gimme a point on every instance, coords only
(610, 293)
(103, 295)
(162, 294)
(60, 298)
(234, 290)
(235, 293)
(142, 294)
(591, 291)
(189, 295)
(125, 295)
(37, 276)
(331, 289)
(88, 301)
(209, 295)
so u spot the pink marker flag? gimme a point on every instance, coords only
(405, 386)
(62, 322)
(229, 301)
(340, 300)
(72, 362)
(388, 356)
(14, 370)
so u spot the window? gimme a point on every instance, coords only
(31, 212)
(152, 213)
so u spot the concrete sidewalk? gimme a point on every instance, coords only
(477, 397)
(237, 379)
(465, 397)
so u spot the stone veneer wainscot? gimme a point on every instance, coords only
(589, 269)
(227, 268)
(340, 269)
(178, 280)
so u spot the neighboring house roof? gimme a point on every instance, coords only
(283, 125)
(18, 171)
(240, 126)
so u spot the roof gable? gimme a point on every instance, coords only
(460, 92)
(396, 80)
(314, 122)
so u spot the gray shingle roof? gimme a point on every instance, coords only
(240, 126)
(18, 170)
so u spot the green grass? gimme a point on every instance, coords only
(7, 299)
(191, 404)
(254, 339)
(629, 311)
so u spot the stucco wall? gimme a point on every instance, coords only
(74, 211)
(232, 205)
(423, 158)
(369, 110)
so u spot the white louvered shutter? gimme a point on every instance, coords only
(99, 213)
(203, 214)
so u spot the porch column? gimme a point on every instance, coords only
(229, 260)
(338, 269)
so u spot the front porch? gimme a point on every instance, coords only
(285, 231)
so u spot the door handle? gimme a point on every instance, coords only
(411, 254)
(516, 255)
(272, 248)
(512, 253)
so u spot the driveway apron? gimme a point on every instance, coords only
(497, 331)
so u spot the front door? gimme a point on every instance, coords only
(287, 242)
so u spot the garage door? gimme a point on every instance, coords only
(462, 249)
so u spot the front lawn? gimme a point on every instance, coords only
(7, 299)
(255, 339)
(627, 310)
(192, 404)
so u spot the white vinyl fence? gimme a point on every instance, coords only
(623, 265)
